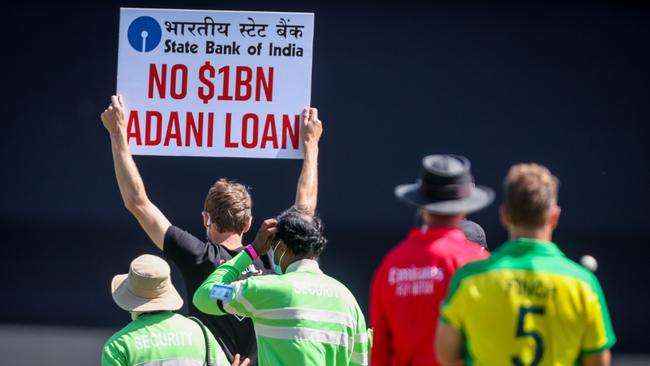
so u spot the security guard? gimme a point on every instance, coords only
(301, 316)
(157, 336)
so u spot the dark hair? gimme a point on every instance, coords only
(301, 232)
(229, 205)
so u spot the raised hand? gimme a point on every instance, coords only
(312, 127)
(265, 236)
(113, 117)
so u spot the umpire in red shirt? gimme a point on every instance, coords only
(412, 280)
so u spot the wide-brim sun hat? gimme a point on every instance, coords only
(147, 287)
(446, 187)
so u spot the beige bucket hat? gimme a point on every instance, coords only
(147, 286)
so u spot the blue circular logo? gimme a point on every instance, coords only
(144, 34)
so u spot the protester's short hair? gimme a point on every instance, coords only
(229, 205)
(530, 190)
(301, 232)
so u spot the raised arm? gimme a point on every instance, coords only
(154, 223)
(307, 191)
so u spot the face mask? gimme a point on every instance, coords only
(276, 267)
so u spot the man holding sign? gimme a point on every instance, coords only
(221, 84)
(226, 217)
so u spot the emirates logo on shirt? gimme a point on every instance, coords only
(414, 281)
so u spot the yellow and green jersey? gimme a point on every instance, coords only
(528, 305)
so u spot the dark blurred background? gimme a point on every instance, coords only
(563, 84)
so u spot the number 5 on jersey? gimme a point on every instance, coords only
(521, 332)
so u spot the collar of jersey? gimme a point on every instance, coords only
(304, 265)
(526, 245)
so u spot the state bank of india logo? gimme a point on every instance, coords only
(144, 34)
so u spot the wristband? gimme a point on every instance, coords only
(250, 249)
(221, 292)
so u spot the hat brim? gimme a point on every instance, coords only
(479, 198)
(125, 299)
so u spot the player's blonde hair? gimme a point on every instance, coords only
(530, 191)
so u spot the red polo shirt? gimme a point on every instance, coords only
(407, 290)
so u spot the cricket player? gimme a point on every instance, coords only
(528, 304)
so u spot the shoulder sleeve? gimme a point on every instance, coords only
(472, 252)
(599, 334)
(225, 274)
(360, 349)
(252, 296)
(186, 250)
(481, 253)
(244, 294)
(112, 356)
(455, 305)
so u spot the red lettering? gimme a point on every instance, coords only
(253, 137)
(243, 82)
(183, 82)
(228, 128)
(148, 140)
(292, 133)
(173, 129)
(270, 134)
(207, 92)
(192, 129)
(261, 82)
(225, 71)
(133, 128)
(157, 80)
(244, 130)
(210, 128)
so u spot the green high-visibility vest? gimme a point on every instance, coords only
(302, 317)
(161, 339)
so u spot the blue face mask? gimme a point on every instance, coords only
(276, 267)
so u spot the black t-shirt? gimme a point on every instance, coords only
(196, 260)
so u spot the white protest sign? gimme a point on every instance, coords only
(215, 83)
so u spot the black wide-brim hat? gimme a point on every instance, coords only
(446, 187)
